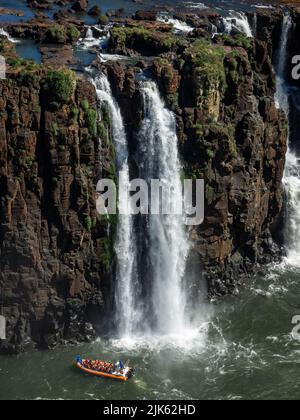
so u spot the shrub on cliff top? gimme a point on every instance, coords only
(238, 40)
(60, 86)
(208, 60)
(56, 34)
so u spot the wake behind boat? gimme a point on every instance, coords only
(105, 369)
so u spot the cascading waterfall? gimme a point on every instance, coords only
(126, 313)
(168, 244)
(292, 169)
(237, 21)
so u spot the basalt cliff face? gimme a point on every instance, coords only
(231, 135)
(57, 257)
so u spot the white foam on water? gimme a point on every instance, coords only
(6, 34)
(112, 57)
(178, 25)
(237, 21)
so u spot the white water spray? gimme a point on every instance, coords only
(168, 241)
(91, 41)
(6, 34)
(126, 313)
(237, 21)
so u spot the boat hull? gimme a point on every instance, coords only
(102, 374)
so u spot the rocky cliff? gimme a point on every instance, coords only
(231, 135)
(57, 258)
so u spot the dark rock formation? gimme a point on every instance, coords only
(145, 15)
(46, 31)
(95, 11)
(80, 6)
(56, 258)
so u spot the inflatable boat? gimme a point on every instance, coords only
(105, 369)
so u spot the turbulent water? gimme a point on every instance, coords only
(243, 348)
(246, 350)
(237, 21)
(168, 245)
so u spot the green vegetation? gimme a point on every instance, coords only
(210, 194)
(107, 253)
(90, 223)
(18, 63)
(103, 20)
(73, 33)
(91, 116)
(208, 134)
(74, 114)
(60, 86)
(55, 129)
(56, 34)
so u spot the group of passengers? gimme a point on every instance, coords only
(99, 366)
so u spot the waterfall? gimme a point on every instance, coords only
(178, 25)
(168, 244)
(90, 41)
(237, 21)
(292, 170)
(126, 313)
(281, 96)
(254, 25)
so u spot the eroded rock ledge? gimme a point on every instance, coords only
(56, 258)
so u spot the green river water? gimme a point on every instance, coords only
(245, 350)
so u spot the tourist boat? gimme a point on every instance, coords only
(113, 371)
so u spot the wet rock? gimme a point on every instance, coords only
(12, 12)
(58, 56)
(40, 4)
(95, 11)
(80, 6)
(145, 15)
